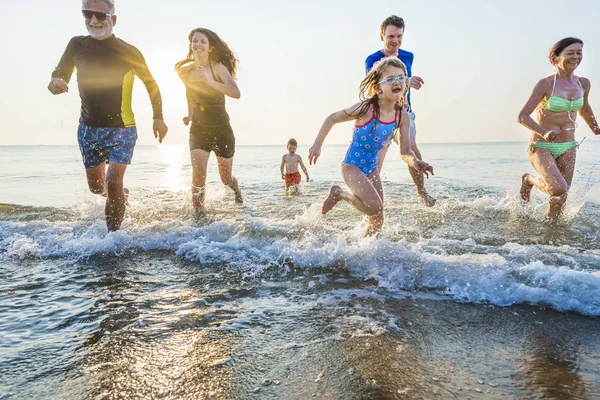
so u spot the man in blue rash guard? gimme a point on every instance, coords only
(391, 34)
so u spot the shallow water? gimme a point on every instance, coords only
(273, 300)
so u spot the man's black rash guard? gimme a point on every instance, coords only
(105, 75)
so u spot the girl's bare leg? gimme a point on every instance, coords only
(363, 195)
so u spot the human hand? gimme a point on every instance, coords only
(283, 176)
(551, 135)
(313, 154)
(415, 82)
(58, 86)
(160, 129)
(203, 75)
(423, 168)
(187, 120)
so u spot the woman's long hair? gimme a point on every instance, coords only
(220, 52)
(368, 87)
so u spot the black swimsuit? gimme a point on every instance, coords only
(210, 130)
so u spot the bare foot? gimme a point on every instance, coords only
(198, 196)
(332, 199)
(525, 187)
(427, 199)
(199, 211)
(238, 197)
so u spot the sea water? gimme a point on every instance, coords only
(176, 306)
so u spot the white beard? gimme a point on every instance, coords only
(100, 33)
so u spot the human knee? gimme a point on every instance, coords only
(96, 186)
(96, 189)
(558, 190)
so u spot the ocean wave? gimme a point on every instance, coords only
(564, 277)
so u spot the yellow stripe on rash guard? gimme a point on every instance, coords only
(126, 110)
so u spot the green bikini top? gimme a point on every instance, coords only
(560, 104)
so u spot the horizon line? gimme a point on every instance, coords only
(258, 145)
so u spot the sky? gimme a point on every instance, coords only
(303, 60)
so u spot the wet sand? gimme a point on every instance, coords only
(160, 327)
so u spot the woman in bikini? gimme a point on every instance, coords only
(552, 146)
(378, 117)
(208, 74)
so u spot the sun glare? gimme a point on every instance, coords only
(172, 157)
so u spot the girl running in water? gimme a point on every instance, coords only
(208, 74)
(552, 146)
(377, 118)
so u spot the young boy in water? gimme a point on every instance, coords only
(290, 162)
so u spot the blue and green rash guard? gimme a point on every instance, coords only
(105, 73)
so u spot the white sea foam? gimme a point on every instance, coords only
(562, 277)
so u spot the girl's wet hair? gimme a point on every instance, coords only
(368, 87)
(220, 53)
(561, 45)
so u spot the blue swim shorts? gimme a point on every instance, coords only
(97, 145)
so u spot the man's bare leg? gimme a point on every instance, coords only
(115, 196)
(417, 177)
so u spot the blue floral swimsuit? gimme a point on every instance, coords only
(367, 143)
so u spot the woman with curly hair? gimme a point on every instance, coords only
(208, 74)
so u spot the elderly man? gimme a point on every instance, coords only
(106, 67)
